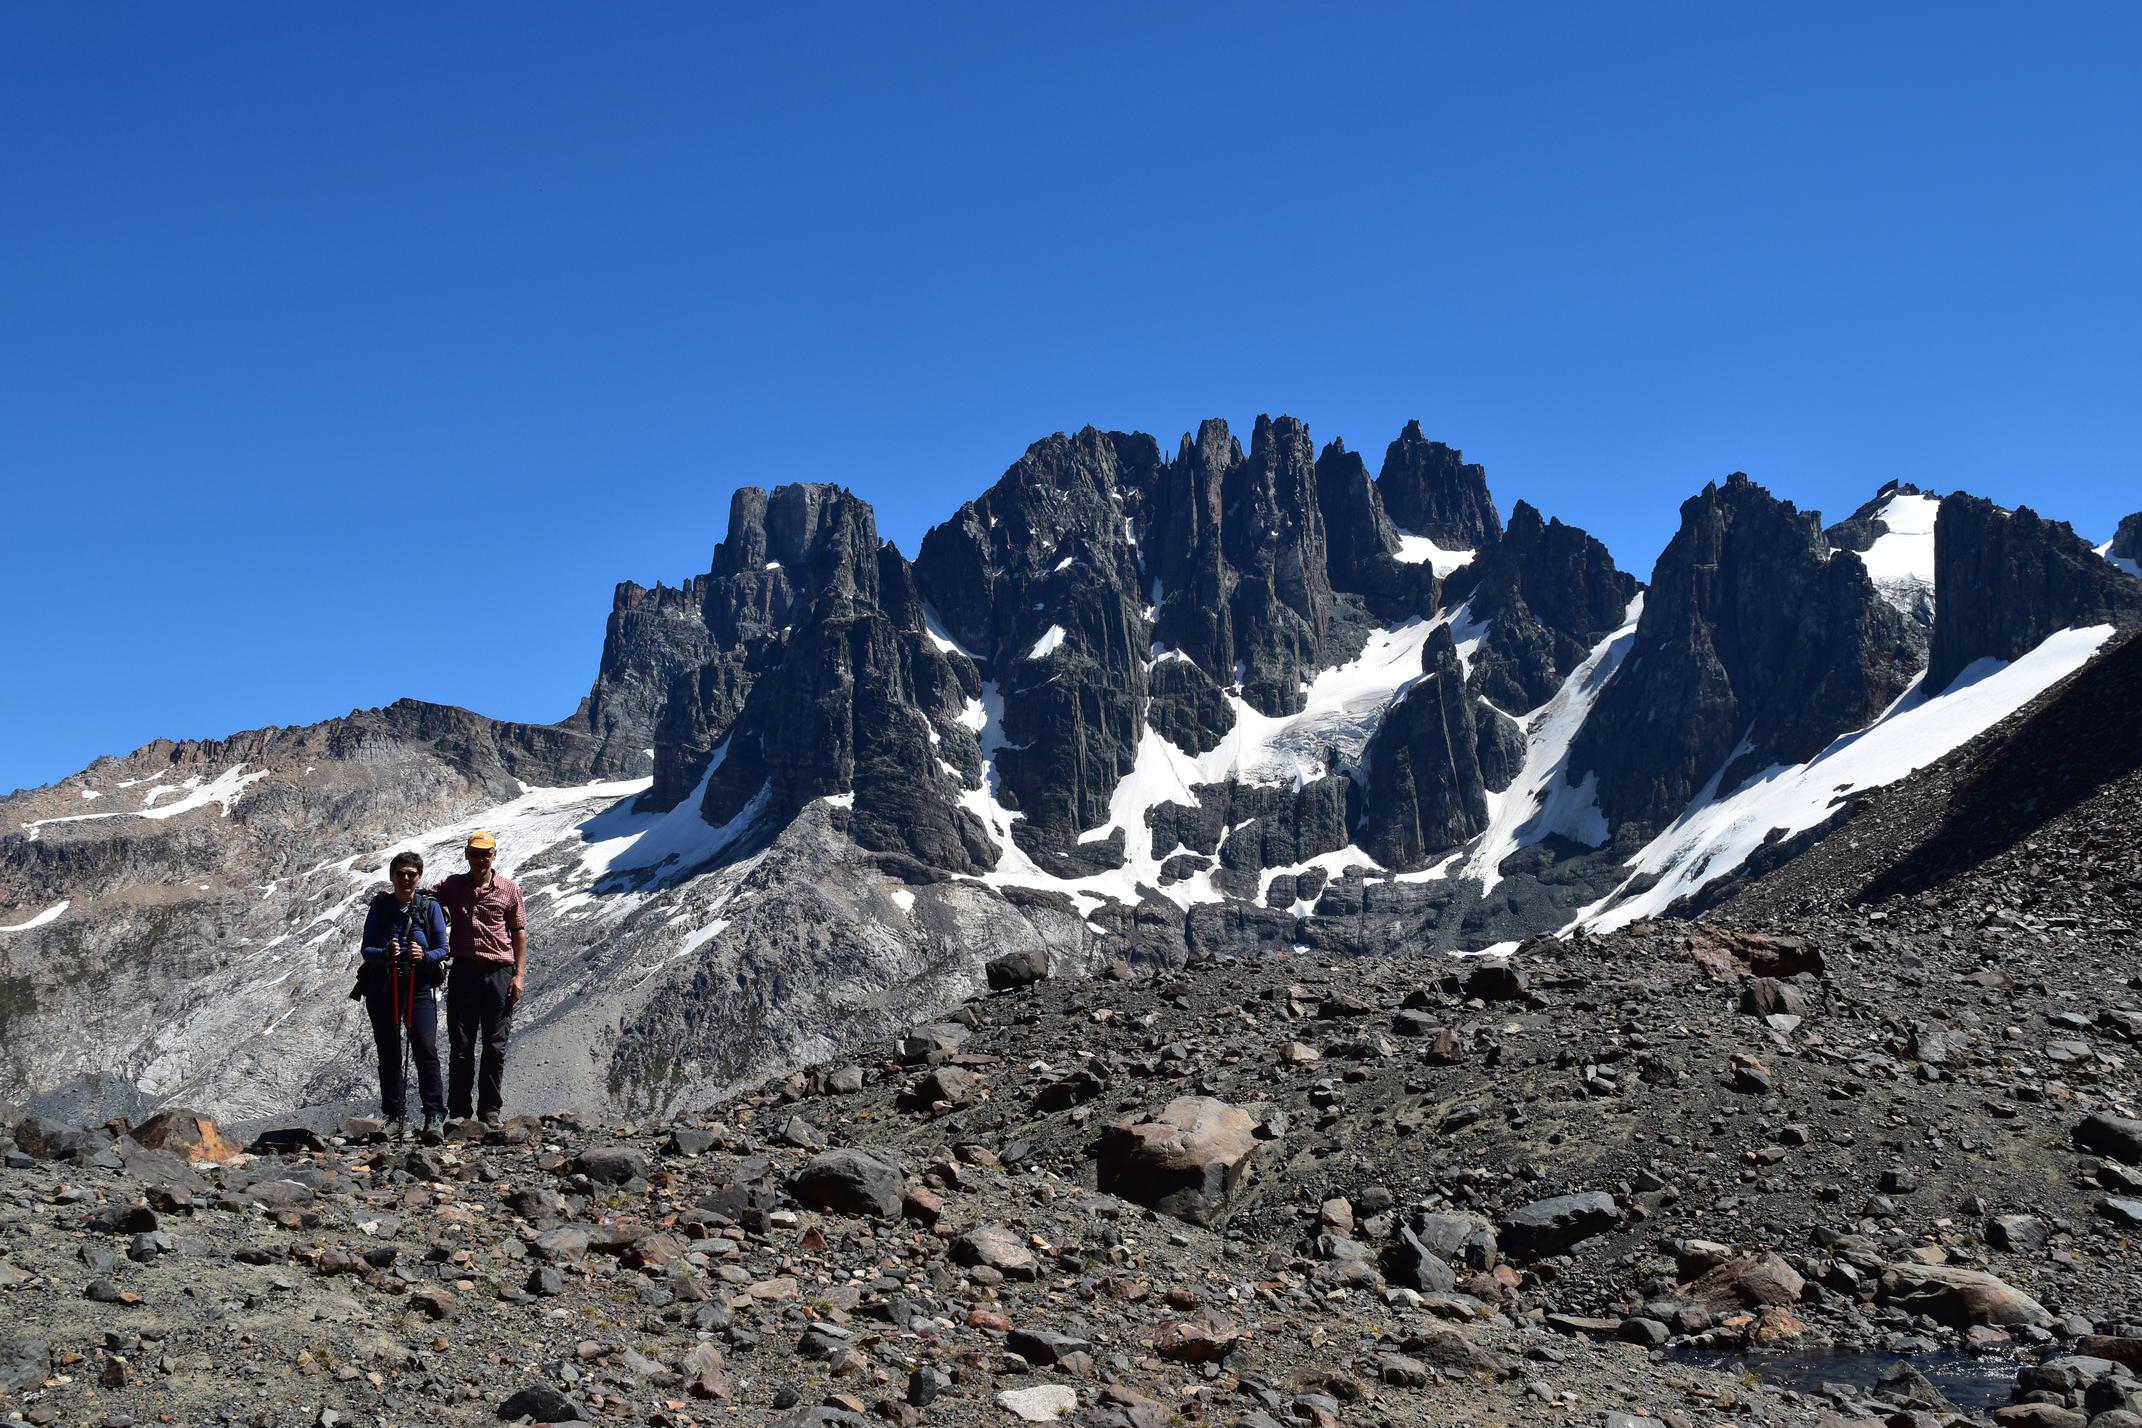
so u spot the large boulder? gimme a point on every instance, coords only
(1185, 1160)
(187, 1133)
(1017, 969)
(50, 1140)
(1960, 1297)
(851, 1182)
(24, 1363)
(2114, 1137)
(1547, 1227)
(1748, 1282)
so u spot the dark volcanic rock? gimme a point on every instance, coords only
(1238, 546)
(1548, 593)
(1362, 544)
(2126, 542)
(1550, 1226)
(854, 1182)
(1429, 490)
(2112, 1136)
(1425, 789)
(1749, 633)
(2004, 580)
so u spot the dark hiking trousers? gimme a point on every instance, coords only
(423, 1032)
(478, 1012)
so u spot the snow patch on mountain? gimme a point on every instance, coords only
(50, 914)
(1541, 801)
(1901, 560)
(223, 790)
(1050, 639)
(1716, 835)
(1343, 706)
(1418, 549)
(2120, 562)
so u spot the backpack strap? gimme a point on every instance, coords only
(420, 905)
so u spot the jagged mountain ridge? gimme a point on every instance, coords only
(1119, 704)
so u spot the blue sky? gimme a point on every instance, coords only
(354, 352)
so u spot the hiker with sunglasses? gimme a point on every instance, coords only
(490, 947)
(405, 946)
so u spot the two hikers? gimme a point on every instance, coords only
(405, 943)
(478, 921)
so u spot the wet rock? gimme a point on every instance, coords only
(1960, 1297)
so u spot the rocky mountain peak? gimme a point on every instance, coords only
(1754, 648)
(2007, 579)
(1430, 490)
(2126, 543)
(1547, 593)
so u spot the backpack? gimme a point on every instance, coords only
(418, 914)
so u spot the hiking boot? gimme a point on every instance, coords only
(493, 1120)
(397, 1128)
(434, 1128)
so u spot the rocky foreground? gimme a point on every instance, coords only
(1294, 1191)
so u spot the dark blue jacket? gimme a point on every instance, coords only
(385, 922)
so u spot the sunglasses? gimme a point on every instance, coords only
(409, 873)
(481, 853)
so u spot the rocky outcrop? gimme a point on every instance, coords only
(2126, 543)
(1040, 580)
(1362, 543)
(2004, 580)
(1238, 548)
(1754, 648)
(1547, 593)
(1430, 490)
(1426, 793)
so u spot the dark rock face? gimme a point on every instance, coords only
(1749, 631)
(851, 1182)
(2127, 540)
(1426, 791)
(1429, 489)
(1548, 593)
(1040, 580)
(802, 656)
(651, 636)
(1362, 545)
(1238, 545)
(2005, 580)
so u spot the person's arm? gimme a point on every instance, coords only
(517, 923)
(375, 931)
(435, 931)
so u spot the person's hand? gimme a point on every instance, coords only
(513, 993)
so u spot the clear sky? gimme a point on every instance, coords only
(349, 352)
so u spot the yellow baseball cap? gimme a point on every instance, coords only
(483, 840)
